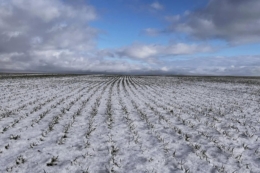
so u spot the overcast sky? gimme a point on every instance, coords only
(200, 37)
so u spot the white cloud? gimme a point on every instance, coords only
(45, 34)
(164, 69)
(182, 49)
(143, 51)
(139, 51)
(12, 34)
(238, 65)
(151, 32)
(157, 6)
(172, 19)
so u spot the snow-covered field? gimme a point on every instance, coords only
(129, 124)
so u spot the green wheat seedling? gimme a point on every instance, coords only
(53, 161)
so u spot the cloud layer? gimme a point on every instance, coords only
(219, 65)
(236, 21)
(44, 33)
(51, 35)
(56, 36)
(144, 51)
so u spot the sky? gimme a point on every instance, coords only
(190, 37)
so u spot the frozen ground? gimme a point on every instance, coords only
(129, 124)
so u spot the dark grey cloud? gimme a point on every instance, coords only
(236, 21)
